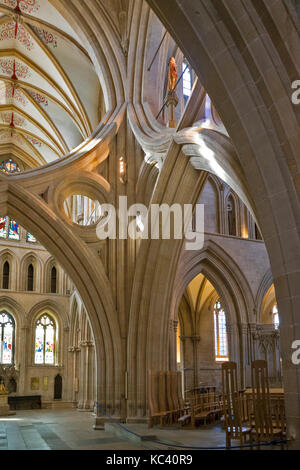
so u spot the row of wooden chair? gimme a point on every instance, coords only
(258, 415)
(167, 406)
(206, 407)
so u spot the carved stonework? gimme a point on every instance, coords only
(9, 376)
(86, 344)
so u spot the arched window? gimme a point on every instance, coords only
(231, 217)
(7, 338)
(221, 341)
(5, 279)
(9, 228)
(30, 278)
(45, 333)
(275, 317)
(186, 80)
(14, 230)
(53, 280)
(3, 227)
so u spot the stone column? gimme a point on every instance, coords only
(173, 345)
(190, 362)
(235, 350)
(86, 380)
(75, 379)
(171, 103)
(23, 360)
(245, 338)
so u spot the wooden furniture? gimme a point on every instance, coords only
(232, 401)
(166, 405)
(155, 415)
(32, 402)
(207, 408)
(274, 392)
(268, 419)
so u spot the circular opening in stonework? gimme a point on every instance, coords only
(82, 210)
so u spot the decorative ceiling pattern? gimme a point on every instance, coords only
(46, 108)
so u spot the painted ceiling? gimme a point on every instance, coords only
(48, 84)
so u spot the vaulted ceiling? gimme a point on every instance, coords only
(49, 90)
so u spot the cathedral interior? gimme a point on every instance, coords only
(174, 103)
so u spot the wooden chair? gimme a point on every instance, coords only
(207, 408)
(155, 415)
(265, 425)
(185, 417)
(232, 406)
(175, 403)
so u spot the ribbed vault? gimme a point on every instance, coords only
(50, 96)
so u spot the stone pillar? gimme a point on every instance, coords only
(189, 360)
(245, 338)
(235, 350)
(222, 211)
(171, 103)
(86, 380)
(23, 360)
(75, 366)
(173, 345)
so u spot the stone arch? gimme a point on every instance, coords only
(232, 200)
(265, 285)
(87, 274)
(9, 256)
(209, 198)
(229, 282)
(49, 265)
(31, 259)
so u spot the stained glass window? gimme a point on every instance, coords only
(7, 333)
(275, 317)
(3, 227)
(14, 230)
(221, 341)
(30, 238)
(45, 340)
(9, 166)
(186, 80)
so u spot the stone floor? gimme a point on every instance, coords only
(67, 429)
(57, 430)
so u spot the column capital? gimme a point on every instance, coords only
(174, 325)
(74, 349)
(86, 344)
(192, 338)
